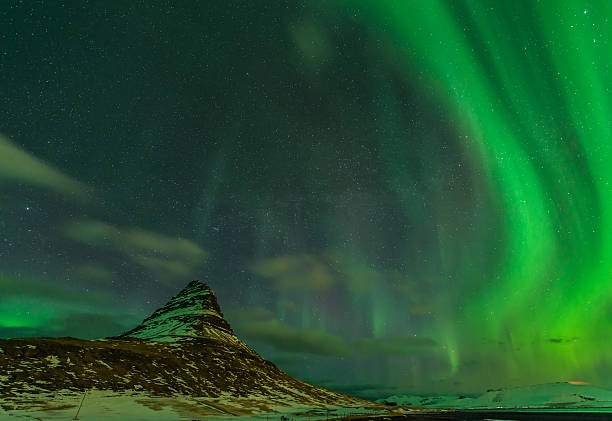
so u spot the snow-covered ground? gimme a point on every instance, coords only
(100, 405)
(138, 406)
(548, 396)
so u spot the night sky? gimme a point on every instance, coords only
(386, 196)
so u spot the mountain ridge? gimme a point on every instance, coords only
(559, 395)
(185, 348)
(191, 315)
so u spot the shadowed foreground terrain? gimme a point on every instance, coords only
(496, 416)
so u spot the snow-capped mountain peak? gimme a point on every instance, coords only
(190, 315)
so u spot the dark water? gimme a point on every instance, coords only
(502, 416)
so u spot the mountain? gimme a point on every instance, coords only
(191, 316)
(184, 356)
(543, 396)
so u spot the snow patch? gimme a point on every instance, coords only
(53, 360)
(544, 396)
(105, 365)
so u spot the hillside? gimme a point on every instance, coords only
(185, 354)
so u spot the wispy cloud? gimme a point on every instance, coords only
(91, 272)
(40, 307)
(359, 277)
(251, 314)
(393, 345)
(18, 166)
(302, 271)
(166, 268)
(288, 338)
(168, 258)
(81, 325)
(132, 239)
(50, 291)
(260, 324)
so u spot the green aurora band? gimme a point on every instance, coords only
(408, 194)
(528, 85)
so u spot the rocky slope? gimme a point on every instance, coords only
(184, 349)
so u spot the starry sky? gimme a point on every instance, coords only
(386, 196)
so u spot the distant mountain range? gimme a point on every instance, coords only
(563, 395)
(184, 355)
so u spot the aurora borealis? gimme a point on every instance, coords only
(386, 196)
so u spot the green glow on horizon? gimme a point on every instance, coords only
(18, 312)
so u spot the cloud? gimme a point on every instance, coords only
(260, 324)
(312, 42)
(287, 305)
(165, 268)
(168, 258)
(91, 272)
(360, 278)
(303, 271)
(284, 359)
(33, 307)
(7, 332)
(133, 240)
(18, 166)
(288, 338)
(393, 345)
(141, 240)
(78, 325)
(91, 325)
(251, 314)
(49, 290)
